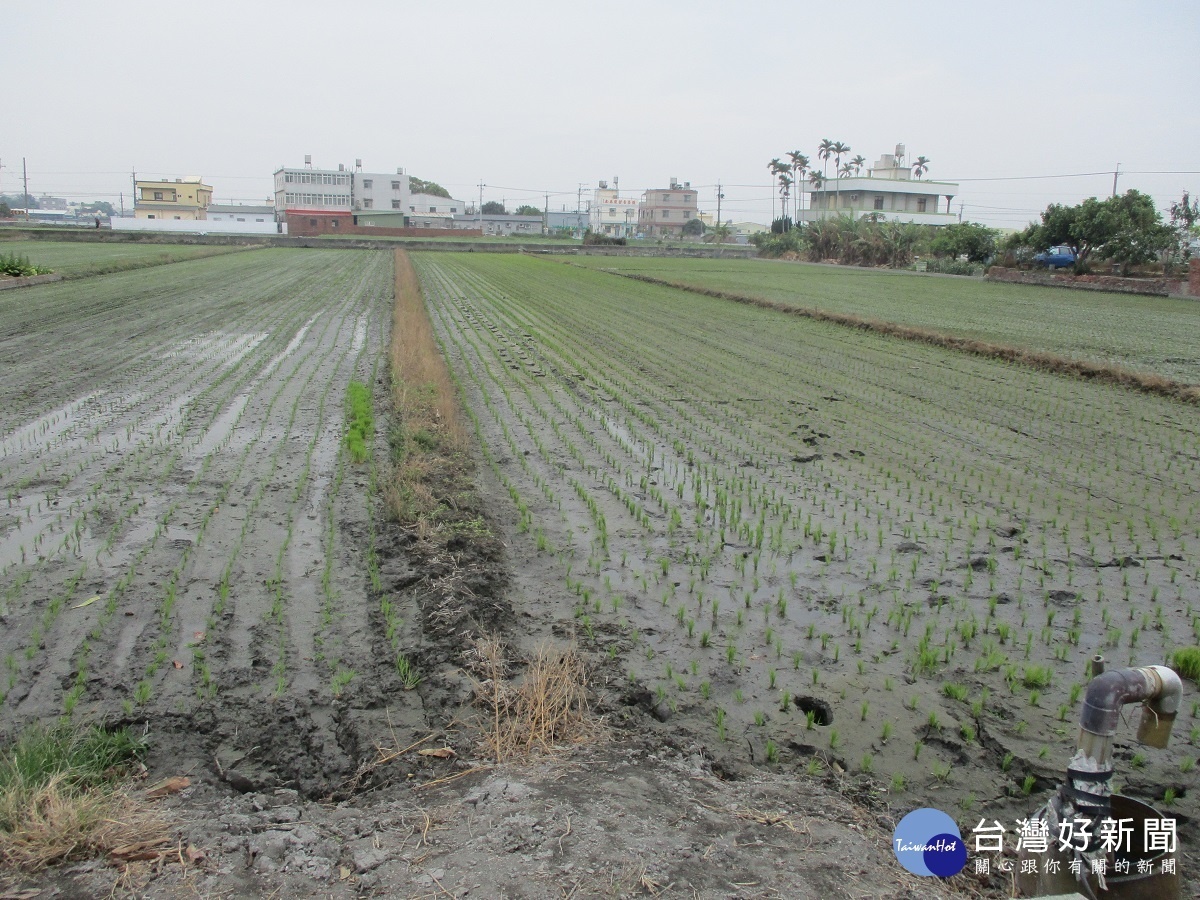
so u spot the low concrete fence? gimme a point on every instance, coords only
(7, 284)
(465, 244)
(1157, 287)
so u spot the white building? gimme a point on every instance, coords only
(308, 190)
(382, 193)
(611, 214)
(245, 213)
(312, 190)
(432, 204)
(889, 191)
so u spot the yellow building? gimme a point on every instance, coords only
(183, 198)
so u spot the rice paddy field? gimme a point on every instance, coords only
(785, 542)
(1147, 334)
(182, 536)
(828, 550)
(75, 259)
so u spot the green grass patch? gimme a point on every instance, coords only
(81, 757)
(360, 421)
(1186, 661)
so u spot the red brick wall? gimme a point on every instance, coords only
(1194, 277)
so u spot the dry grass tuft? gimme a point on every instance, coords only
(59, 822)
(1047, 362)
(545, 711)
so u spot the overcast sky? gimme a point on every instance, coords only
(537, 97)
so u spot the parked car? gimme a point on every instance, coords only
(1055, 258)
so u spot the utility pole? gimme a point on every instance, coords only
(479, 211)
(1115, 174)
(578, 204)
(720, 197)
(546, 217)
(960, 211)
(25, 177)
(122, 204)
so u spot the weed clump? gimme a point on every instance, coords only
(360, 421)
(59, 800)
(1186, 661)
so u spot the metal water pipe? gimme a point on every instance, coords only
(1089, 774)
(1087, 792)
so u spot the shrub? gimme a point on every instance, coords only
(19, 266)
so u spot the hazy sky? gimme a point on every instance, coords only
(537, 97)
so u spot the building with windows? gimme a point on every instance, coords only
(182, 198)
(328, 200)
(611, 214)
(663, 212)
(500, 224)
(432, 204)
(889, 191)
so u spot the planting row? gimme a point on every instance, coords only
(842, 549)
(1146, 334)
(174, 534)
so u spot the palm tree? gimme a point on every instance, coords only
(785, 188)
(817, 180)
(858, 162)
(921, 166)
(776, 166)
(823, 153)
(799, 167)
(838, 150)
(846, 170)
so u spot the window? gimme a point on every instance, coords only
(334, 223)
(368, 183)
(367, 204)
(921, 204)
(312, 222)
(879, 201)
(287, 177)
(158, 195)
(412, 209)
(433, 209)
(395, 185)
(454, 209)
(666, 198)
(666, 214)
(395, 204)
(149, 217)
(240, 219)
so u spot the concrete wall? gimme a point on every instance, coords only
(198, 226)
(1157, 287)
(463, 241)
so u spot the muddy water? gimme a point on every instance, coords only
(741, 530)
(196, 494)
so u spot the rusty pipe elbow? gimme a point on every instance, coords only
(1109, 692)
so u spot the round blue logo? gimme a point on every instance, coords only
(927, 842)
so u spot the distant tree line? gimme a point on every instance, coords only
(875, 241)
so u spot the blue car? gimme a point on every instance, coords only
(1055, 258)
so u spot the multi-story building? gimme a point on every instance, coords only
(888, 191)
(664, 211)
(611, 214)
(182, 198)
(328, 200)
